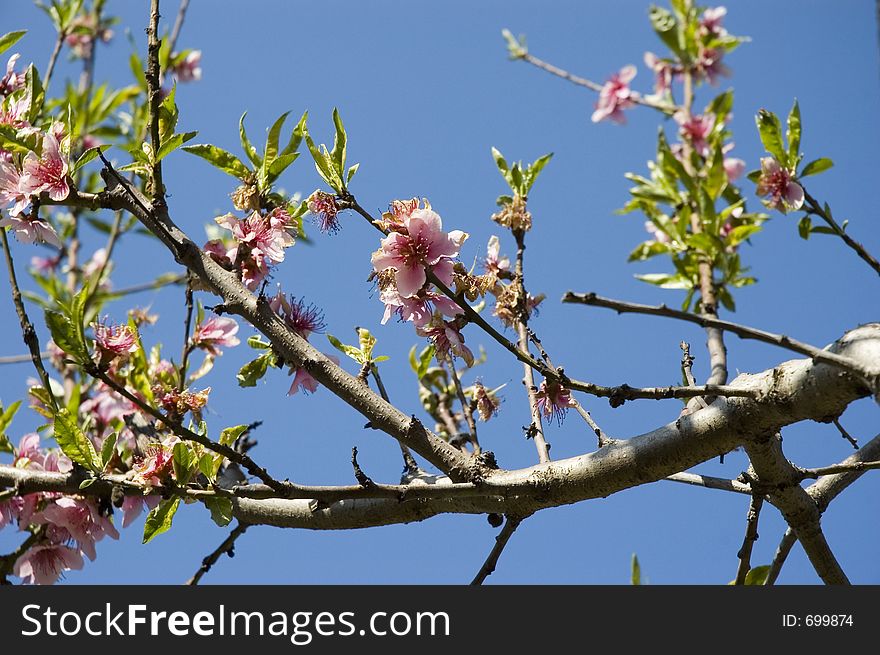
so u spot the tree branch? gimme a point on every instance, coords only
(751, 536)
(814, 208)
(869, 373)
(501, 540)
(225, 547)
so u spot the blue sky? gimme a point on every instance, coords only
(425, 90)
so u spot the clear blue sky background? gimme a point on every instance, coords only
(425, 89)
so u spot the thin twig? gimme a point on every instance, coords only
(53, 59)
(814, 208)
(178, 25)
(709, 482)
(687, 363)
(751, 536)
(789, 539)
(226, 547)
(20, 359)
(466, 408)
(843, 433)
(155, 98)
(603, 439)
(187, 347)
(27, 328)
(410, 465)
(816, 473)
(743, 331)
(501, 540)
(589, 84)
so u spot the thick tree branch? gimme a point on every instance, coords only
(777, 474)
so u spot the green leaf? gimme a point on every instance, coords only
(666, 27)
(636, 574)
(534, 170)
(250, 373)
(209, 464)
(257, 343)
(726, 299)
(716, 180)
(74, 443)
(721, 105)
(6, 415)
(367, 342)
(65, 335)
(10, 39)
(246, 144)
(229, 435)
(665, 280)
(296, 136)
(108, 449)
(421, 363)
(279, 165)
(159, 519)
(740, 233)
(757, 575)
(221, 510)
(34, 93)
(340, 142)
(86, 157)
(648, 249)
(817, 166)
(793, 133)
(173, 143)
(351, 351)
(182, 461)
(219, 158)
(770, 131)
(804, 227)
(500, 162)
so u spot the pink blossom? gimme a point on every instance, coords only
(776, 182)
(656, 233)
(46, 173)
(29, 452)
(156, 464)
(267, 236)
(298, 316)
(107, 406)
(96, 262)
(10, 510)
(734, 168)
(417, 309)
(114, 340)
(421, 242)
(29, 230)
(495, 264)
(132, 506)
(11, 81)
(447, 338)
(615, 96)
(45, 265)
(189, 68)
(323, 205)
(215, 333)
(553, 400)
(10, 188)
(710, 21)
(82, 520)
(303, 380)
(44, 564)
(663, 72)
(709, 65)
(695, 130)
(15, 114)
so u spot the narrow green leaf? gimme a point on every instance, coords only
(296, 136)
(740, 233)
(270, 150)
(159, 519)
(500, 161)
(219, 158)
(182, 461)
(108, 449)
(804, 226)
(351, 351)
(816, 166)
(340, 143)
(86, 157)
(173, 143)
(793, 133)
(246, 144)
(250, 373)
(717, 178)
(10, 39)
(636, 574)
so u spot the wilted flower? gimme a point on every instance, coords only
(323, 205)
(495, 264)
(214, 333)
(420, 243)
(300, 317)
(487, 402)
(615, 96)
(776, 182)
(553, 400)
(246, 197)
(514, 215)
